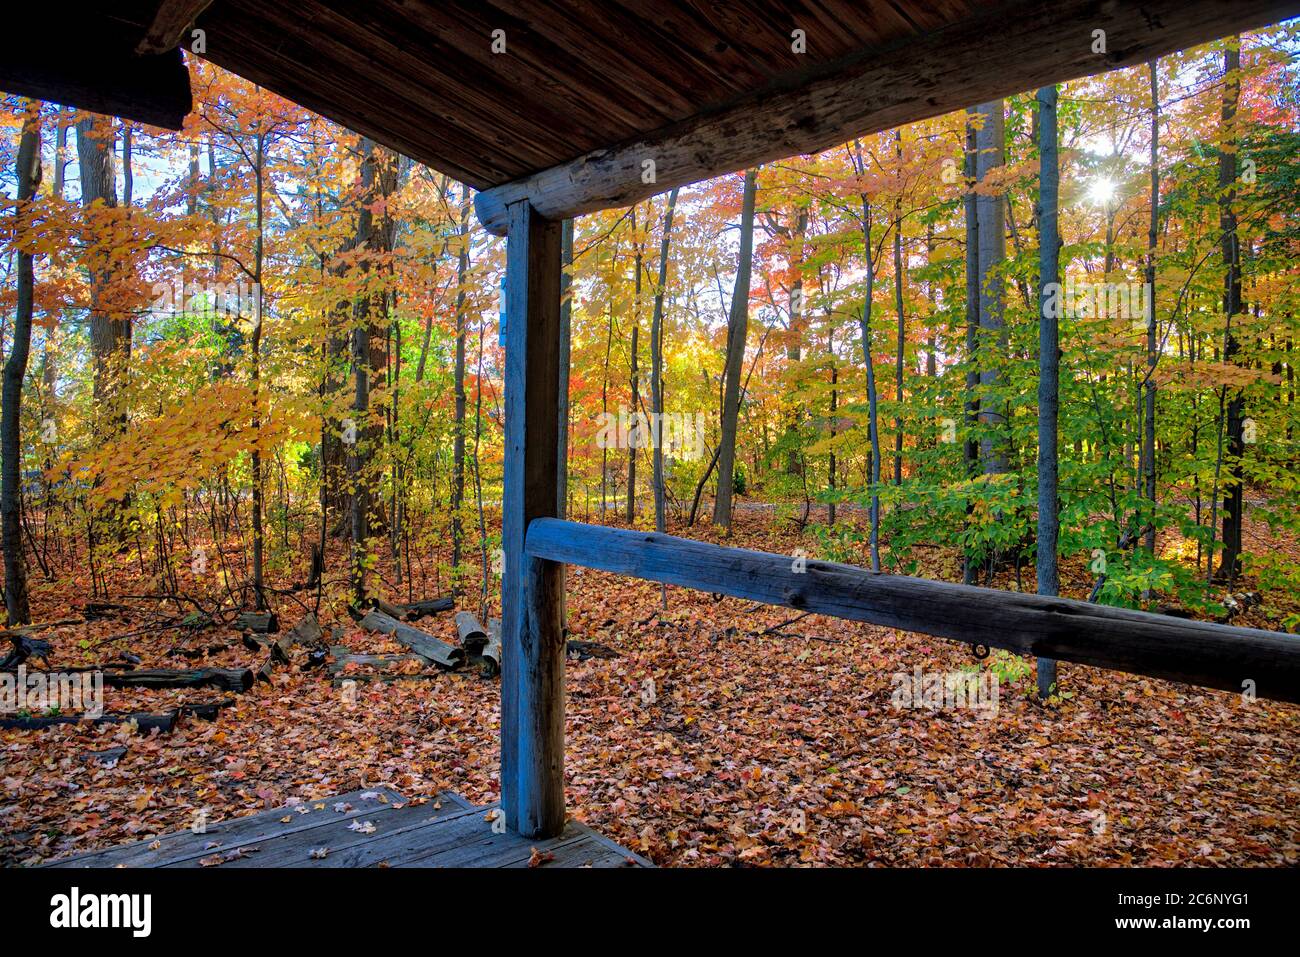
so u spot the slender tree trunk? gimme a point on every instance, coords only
(657, 363)
(794, 342)
(898, 305)
(737, 330)
(566, 348)
(27, 172)
(562, 428)
(255, 349)
(1153, 224)
(1049, 351)
(1233, 486)
(458, 438)
(864, 323)
(110, 337)
(128, 167)
(970, 447)
(992, 252)
(931, 344)
(635, 436)
(830, 476)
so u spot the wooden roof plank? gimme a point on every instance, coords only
(487, 115)
(169, 24)
(346, 96)
(314, 44)
(537, 70)
(1042, 42)
(94, 68)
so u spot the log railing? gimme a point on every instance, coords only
(1264, 663)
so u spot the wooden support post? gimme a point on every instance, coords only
(532, 666)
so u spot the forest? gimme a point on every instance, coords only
(254, 376)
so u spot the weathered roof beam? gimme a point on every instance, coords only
(169, 24)
(1264, 663)
(94, 68)
(1019, 46)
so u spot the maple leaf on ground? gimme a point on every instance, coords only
(538, 858)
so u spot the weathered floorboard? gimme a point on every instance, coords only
(1176, 649)
(442, 832)
(233, 832)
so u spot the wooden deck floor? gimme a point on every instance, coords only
(364, 829)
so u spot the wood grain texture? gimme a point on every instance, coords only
(1034, 42)
(366, 828)
(169, 24)
(532, 675)
(89, 61)
(586, 89)
(422, 643)
(1176, 649)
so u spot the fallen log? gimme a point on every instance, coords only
(95, 610)
(23, 649)
(472, 636)
(145, 721)
(489, 660)
(582, 650)
(414, 610)
(260, 622)
(421, 642)
(418, 609)
(307, 632)
(383, 662)
(389, 609)
(228, 679)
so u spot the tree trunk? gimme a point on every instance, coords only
(255, 350)
(873, 419)
(794, 343)
(657, 363)
(992, 251)
(110, 337)
(27, 172)
(378, 180)
(970, 448)
(634, 439)
(1149, 411)
(458, 438)
(737, 330)
(1233, 491)
(898, 305)
(1049, 367)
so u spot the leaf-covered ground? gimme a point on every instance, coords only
(758, 746)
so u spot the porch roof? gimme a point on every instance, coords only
(585, 92)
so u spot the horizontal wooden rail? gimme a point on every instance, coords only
(1201, 653)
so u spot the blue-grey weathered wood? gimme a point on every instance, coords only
(532, 666)
(1202, 653)
(367, 828)
(435, 650)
